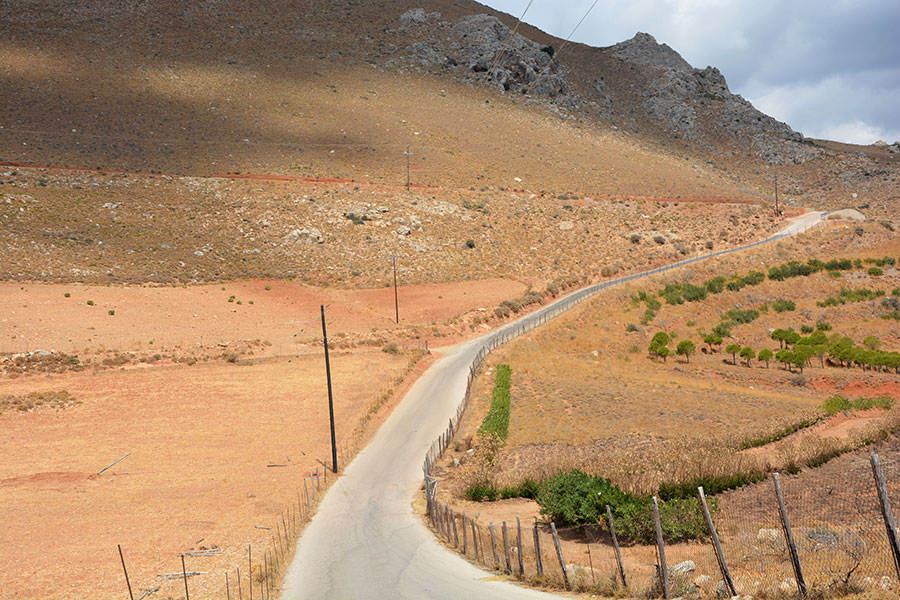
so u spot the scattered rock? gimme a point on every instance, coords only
(414, 16)
(304, 236)
(682, 568)
(402, 230)
(789, 585)
(566, 225)
(771, 536)
(702, 580)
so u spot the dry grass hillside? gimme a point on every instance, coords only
(338, 90)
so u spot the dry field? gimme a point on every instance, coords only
(202, 441)
(155, 379)
(616, 402)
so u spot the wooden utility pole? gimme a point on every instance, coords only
(330, 398)
(396, 303)
(408, 154)
(777, 212)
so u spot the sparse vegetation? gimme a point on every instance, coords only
(496, 423)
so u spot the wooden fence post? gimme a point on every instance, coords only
(661, 547)
(474, 538)
(615, 541)
(720, 556)
(519, 543)
(455, 532)
(494, 545)
(889, 524)
(506, 549)
(559, 555)
(465, 535)
(537, 550)
(789, 536)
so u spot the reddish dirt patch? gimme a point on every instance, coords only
(39, 316)
(201, 440)
(48, 478)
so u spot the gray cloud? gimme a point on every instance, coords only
(829, 69)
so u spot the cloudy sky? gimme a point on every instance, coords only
(828, 68)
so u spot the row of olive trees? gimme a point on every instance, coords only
(795, 350)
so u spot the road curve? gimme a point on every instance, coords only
(366, 541)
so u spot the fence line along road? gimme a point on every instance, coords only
(366, 541)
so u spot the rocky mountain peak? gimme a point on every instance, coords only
(643, 49)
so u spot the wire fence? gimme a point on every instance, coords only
(753, 544)
(786, 539)
(254, 570)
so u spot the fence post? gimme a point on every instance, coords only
(455, 532)
(465, 535)
(885, 501)
(661, 547)
(559, 555)
(506, 549)
(537, 550)
(720, 556)
(615, 540)
(474, 538)
(519, 542)
(494, 545)
(789, 536)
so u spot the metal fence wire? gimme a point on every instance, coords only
(835, 534)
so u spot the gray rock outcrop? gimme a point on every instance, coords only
(682, 90)
(481, 40)
(643, 49)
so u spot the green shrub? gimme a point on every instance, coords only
(470, 243)
(90, 302)
(481, 492)
(780, 434)
(741, 316)
(715, 285)
(823, 326)
(67, 295)
(712, 484)
(781, 305)
(529, 488)
(496, 422)
(576, 498)
(680, 519)
(391, 348)
(875, 272)
(672, 294)
(111, 312)
(508, 492)
(836, 404)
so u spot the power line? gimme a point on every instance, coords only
(508, 39)
(549, 62)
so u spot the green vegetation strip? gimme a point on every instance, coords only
(781, 434)
(496, 422)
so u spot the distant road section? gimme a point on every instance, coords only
(367, 542)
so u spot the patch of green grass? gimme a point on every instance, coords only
(496, 422)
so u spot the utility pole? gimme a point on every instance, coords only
(408, 154)
(776, 195)
(330, 399)
(396, 304)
